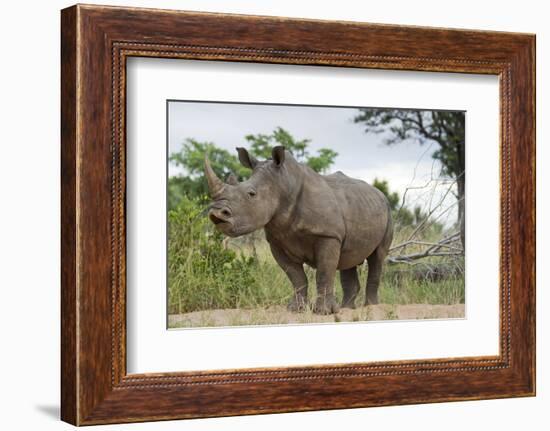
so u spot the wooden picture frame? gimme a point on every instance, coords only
(95, 43)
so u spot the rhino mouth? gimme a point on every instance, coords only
(217, 220)
(224, 226)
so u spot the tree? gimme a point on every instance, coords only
(446, 128)
(191, 159)
(323, 161)
(261, 145)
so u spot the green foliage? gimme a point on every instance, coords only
(203, 273)
(177, 188)
(322, 161)
(403, 285)
(191, 159)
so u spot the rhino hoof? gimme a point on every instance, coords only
(297, 305)
(349, 304)
(325, 306)
(371, 300)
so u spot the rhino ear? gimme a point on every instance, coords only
(278, 155)
(246, 159)
(232, 180)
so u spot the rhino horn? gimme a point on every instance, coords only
(214, 183)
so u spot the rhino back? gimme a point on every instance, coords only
(334, 206)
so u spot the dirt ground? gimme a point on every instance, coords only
(279, 315)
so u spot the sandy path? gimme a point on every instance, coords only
(279, 315)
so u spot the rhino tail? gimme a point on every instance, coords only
(388, 235)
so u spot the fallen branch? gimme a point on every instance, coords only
(432, 245)
(444, 247)
(420, 255)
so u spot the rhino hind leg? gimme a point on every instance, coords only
(350, 285)
(376, 262)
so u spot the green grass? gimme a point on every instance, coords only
(265, 284)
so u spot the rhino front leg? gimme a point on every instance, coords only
(327, 255)
(296, 275)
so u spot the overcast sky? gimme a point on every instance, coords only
(360, 155)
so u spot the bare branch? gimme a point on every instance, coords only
(414, 256)
(433, 249)
(432, 245)
(432, 211)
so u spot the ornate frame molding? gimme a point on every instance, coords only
(96, 41)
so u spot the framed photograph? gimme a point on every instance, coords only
(265, 214)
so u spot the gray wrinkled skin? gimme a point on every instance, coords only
(329, 222)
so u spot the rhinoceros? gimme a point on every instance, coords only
(329, 222)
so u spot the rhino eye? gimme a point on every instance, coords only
(251, 193)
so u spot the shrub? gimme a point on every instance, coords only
(202, 272)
